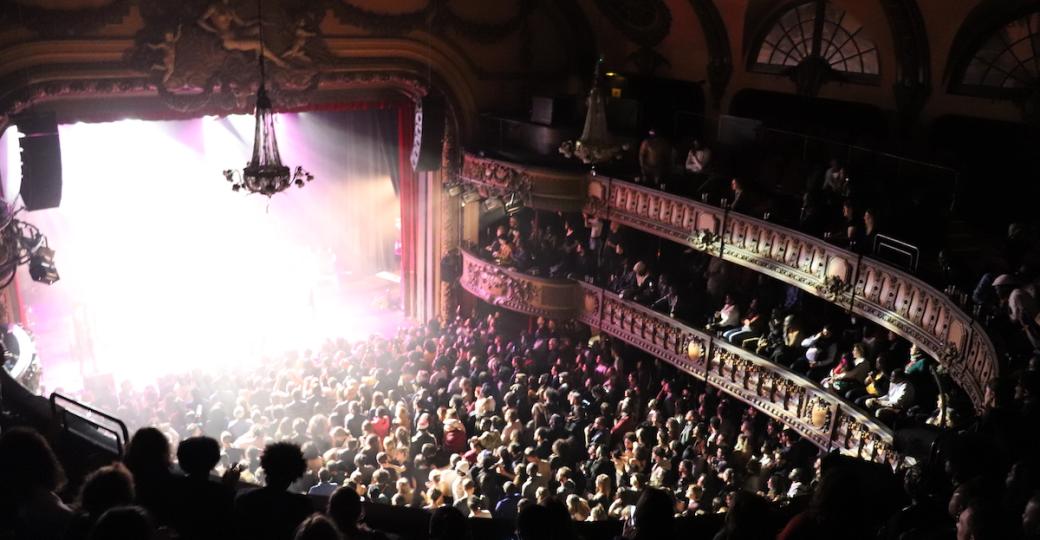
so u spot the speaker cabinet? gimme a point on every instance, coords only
(430, 116)
(41, 161)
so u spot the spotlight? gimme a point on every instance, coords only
(492, 203)
(41, 266)
(470, 197)
(514, 205)
(455, 191)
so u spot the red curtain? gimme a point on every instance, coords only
(409, 196)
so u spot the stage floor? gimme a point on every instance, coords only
(352, 308)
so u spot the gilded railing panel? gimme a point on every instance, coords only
(537, 187)
(519, 292)
(870, 288)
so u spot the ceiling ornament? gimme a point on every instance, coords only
(198, 50)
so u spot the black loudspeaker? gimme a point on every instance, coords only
(41, 161)
(427, 146)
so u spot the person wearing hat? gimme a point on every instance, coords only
(491, 478)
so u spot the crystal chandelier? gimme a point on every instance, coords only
(265, 174)
(595, 145)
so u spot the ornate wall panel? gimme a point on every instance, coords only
(877, 291)
(531, 295)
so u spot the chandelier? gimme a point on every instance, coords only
(265, 174)
(595, 145)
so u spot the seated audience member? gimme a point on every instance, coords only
(637, 284)
(30, 476)
(148, 458)
(876, 383)
(203, 505)
(317, 527)
(741, 200)
(854, 376)
(752, 326)
(898, 399)
(104, 489)
(821, 351)
(698, 158)
(272, 512)
(124, 523)
(727, 317)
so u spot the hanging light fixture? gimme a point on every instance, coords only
(265, 174)
(595, 145)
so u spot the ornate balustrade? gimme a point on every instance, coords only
(519, 292)
(803, 405)
(799, 403)
(872, 289)
(538, 187)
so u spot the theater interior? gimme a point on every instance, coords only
(520, 269)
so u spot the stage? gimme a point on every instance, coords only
(352, 308)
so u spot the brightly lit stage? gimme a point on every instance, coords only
(165, 269)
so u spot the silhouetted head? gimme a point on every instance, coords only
(283, 464)
(198, 455)
(124, 523)
(27, 463)
(106, 488)
(317, 527)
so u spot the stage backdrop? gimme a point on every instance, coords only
(162, 264)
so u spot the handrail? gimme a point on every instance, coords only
(818, 415)
(881, 293)
(113, 431)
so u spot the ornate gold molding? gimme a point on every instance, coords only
(518, 292)
(539, 187)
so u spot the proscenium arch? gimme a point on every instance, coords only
(103, 89)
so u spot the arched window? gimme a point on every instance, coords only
(822, 30)
(1006, 63)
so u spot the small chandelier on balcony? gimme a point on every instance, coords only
(265, 174)
(595, 146)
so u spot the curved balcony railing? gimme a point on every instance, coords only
(519, 292)
(888, 296)
(872, 289)
(538, 187)
(800, 403)
(816, 414)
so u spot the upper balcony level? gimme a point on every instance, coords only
(890, 297)
(817, 414)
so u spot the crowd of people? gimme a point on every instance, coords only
(477, 418)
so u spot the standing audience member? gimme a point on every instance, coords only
(30, 476)
(272, 512)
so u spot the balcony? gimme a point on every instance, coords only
(800, 403)
(544, 188)
(530, 295)
(872, 289)
(885, 295)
